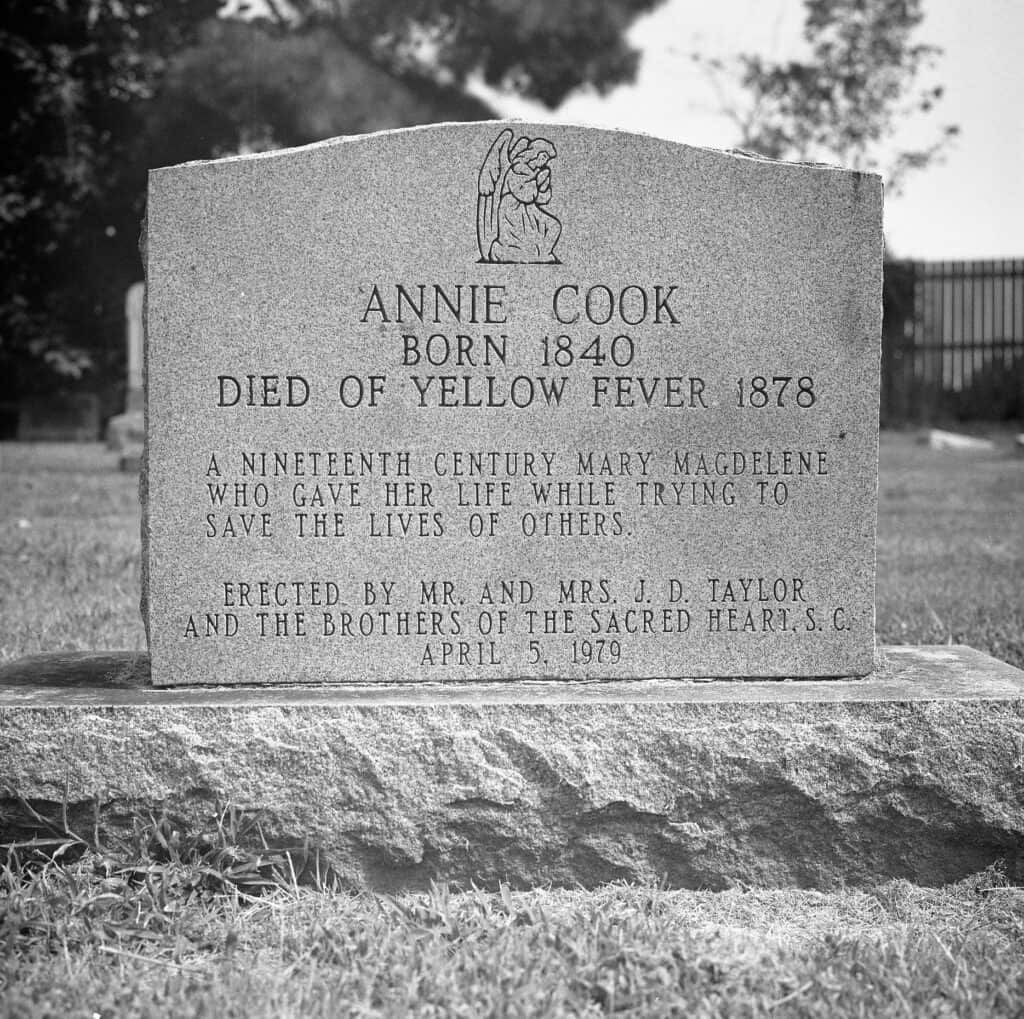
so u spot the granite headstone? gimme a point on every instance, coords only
(500, 400)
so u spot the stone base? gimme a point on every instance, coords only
(916, 771)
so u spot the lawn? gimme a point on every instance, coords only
(951, 547)
(98, 938)
(69, 550)
(189, 924)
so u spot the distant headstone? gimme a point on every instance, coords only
(935, 438)
(134, 331)
(488, 401)
(61, 417)
(126, 432)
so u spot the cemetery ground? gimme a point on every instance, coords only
(191, 923)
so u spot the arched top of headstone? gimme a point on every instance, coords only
(502, 399)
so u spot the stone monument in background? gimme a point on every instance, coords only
(126, 432)
(134, 309)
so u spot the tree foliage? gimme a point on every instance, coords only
(79, 75)
(243, 87)
(99, 91)
(539, 49)
(845, 102)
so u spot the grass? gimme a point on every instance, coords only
(190, 924)
(69, 551)
(950, 547)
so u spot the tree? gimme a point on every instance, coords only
(846, 101)
(539, 49)
(245, 87)
(101, 90)
(79, 73)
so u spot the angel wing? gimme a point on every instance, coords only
(490, 186)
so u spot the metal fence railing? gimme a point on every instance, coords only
(953, 341)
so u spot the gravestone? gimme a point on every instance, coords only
(126, 432)
(134, 308)
(493, 401)
(350, 353)
(59, 417)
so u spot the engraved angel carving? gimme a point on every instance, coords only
(512, 224)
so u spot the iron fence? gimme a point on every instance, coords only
(953, 341)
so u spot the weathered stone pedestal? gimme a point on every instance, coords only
(916, 771)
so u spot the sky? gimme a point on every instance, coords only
(970, 206)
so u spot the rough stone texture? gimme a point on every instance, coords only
(734, 270)
(914, 772)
